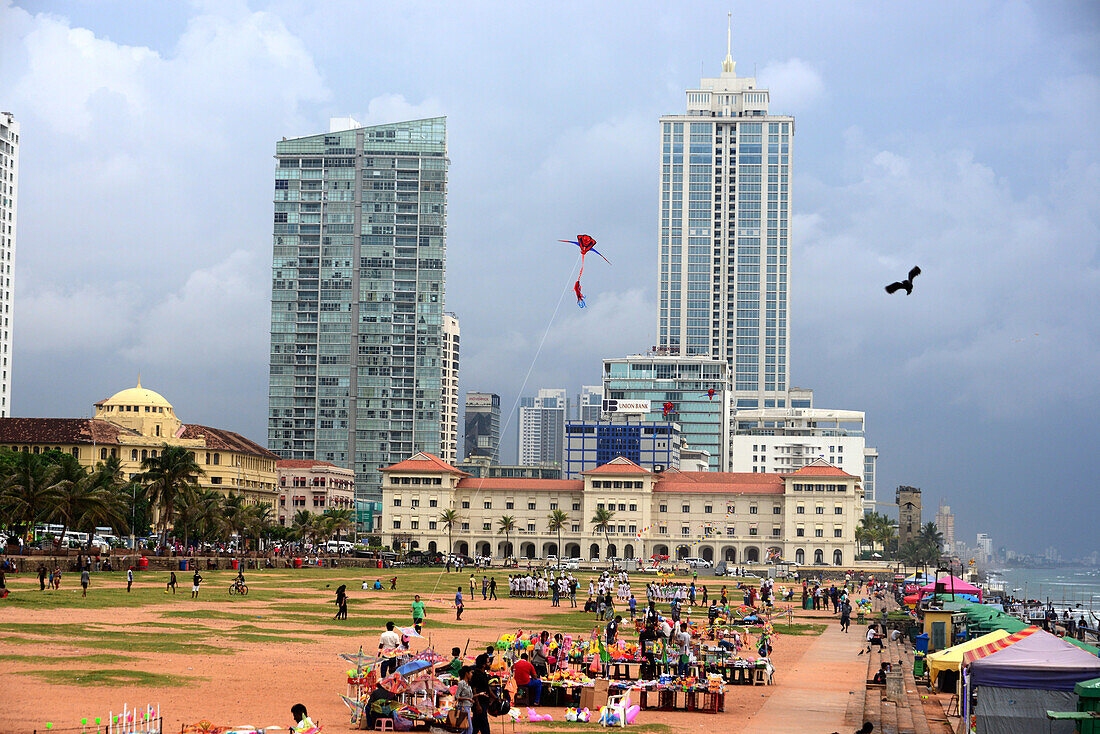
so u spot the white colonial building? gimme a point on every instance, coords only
(808, 516)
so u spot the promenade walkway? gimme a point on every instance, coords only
(814, 695)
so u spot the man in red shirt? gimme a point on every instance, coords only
(527, 677)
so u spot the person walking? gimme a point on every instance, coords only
(85, 577)
(484, 588)
(341, 602)
(195, 581)
(418, 613)
(473, 587)
(845, 615)
(171, 582)
(42, 577)
(388, 643)
(129, 578)
(458, 604)
(492, 588)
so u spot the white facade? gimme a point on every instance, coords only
(590, 402)
(9, 180)
(785, 440)
(724, 235)
(945, 523)
(985, 545)
(808, 517)
(449, 409)
(542, 427)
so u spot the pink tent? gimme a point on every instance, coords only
(951, 584)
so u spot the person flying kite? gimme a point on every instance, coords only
(586, 244)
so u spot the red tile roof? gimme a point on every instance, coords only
(522, 483)
(820, 470)
(76, 431)
(301, 463)
(422, 461)
(621, 465)
(720, 482)
(217, 438)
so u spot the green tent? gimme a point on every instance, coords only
(1087, 648)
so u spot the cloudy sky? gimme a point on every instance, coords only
(960, 136)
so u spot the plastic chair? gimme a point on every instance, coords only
(383, 724)
(619, 705)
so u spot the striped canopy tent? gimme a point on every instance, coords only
(989, 648)
(952, 658)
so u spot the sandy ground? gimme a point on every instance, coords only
(258, 683)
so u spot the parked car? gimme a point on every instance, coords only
(339, 546)
(571, 564)
(698, 563)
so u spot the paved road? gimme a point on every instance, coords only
(813, 695)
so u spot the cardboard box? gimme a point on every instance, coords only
(595, 697)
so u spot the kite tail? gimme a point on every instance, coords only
(580, 296)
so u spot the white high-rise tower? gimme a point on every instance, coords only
(9, 175)
(724, 234)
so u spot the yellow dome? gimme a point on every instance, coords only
(137, 396)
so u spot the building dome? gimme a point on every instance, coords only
(138, 396)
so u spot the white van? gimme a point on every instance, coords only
(339, 546)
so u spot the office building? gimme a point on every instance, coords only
(985, 548)
(870, 479)
(308, 485)
(654, 445)
(9, 199)
(806, 517)
(542, 427)
(481, 468)
(482, 421)
(945, 523)
(685, 385)
(449, 400)
(358, 364)
(724, 235)
(590, 403)
(909, 521)
(138, 423)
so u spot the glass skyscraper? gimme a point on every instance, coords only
(724, 235)
(9, 175)
(686, 383)
(358, 291)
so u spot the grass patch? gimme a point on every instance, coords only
(107, 677)
(104, 658)
(799, 629)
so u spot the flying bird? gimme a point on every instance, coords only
(907, 284)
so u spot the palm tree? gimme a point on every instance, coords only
(262, 521)
(237, 517)
(601, 522)
(556, 522)
(506, 525)
(340, 520)
(302, 525)
(200, 514)
(86, 500)
(166, 477)
(29, 493)
(449, 518)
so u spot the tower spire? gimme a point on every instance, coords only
(728, 64)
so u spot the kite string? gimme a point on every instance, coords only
(519, 396)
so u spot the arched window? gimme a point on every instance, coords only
(153, 453)
(76, 452)
(217, 459)
(838, 557)
(819, 556)
(800, 556)
(103, 454)
(144, 454)
(36, 449)
(133, 454)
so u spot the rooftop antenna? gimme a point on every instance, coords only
(728, 65)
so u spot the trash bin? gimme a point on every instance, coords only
(234, 564)
(922, 643)
(298, 564)
(1088, 699)
(183, 564)
(143, 564)
(918, 665)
